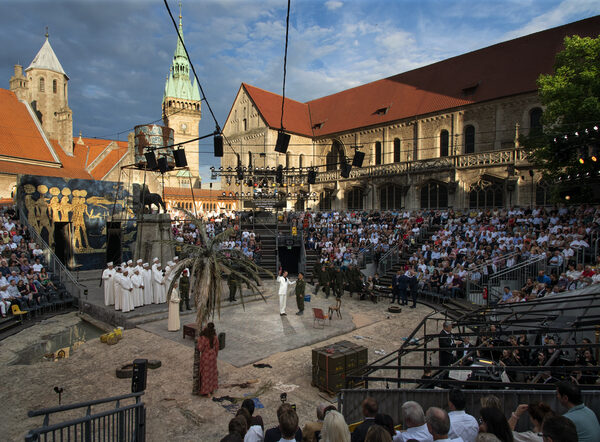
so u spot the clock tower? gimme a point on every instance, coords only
(181, 112)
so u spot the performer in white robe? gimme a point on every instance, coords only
(284, 283)
(158, 285)
(126, 292)
(147, 275)
(174, 323)
(138, 288)
(139, 266)
(117, 288)
(155, 263)
(107, 281)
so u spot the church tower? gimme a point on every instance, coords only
(181, 110)
(44, 87)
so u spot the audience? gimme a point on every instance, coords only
(335, 428)
(438, 423)
(585, 420)
(414, 424)
(560, 429)
(493, 421)
(369, 410)
(537, 413)
(462, 425)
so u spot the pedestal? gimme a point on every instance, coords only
(152, 232)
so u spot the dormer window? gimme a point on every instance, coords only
(470, 89)
(382, 111)
(318, 125)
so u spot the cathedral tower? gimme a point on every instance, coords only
(181, 109)
(44, 87)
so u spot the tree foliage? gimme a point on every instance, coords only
(571, 100)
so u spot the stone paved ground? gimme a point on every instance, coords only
(173, 413)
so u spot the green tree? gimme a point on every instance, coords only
(571, 99)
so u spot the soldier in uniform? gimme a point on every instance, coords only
(232, 283)
(338, 283)
(184, 290)
(324, 281)
(315, 273)
(300, 287)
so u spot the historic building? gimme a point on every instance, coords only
(444, 135)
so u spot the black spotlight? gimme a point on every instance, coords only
(151, 161)
(180, 159)
(312, 177)
(218, 145)
(279, 174)
(358, 159)
(346, 168)
(163, 166)
(283, 140)
(240, 173)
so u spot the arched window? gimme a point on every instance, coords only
(542, 193)
(486, 193)
(287, 161)
(354, 198)
(390, 197)
(470, 139)
(245, 124)
(335, 156)
(54, 86)
(444, 143)
(434, 195)
(301, 161)
(325, 201)
(378, 153)
(396, 150)
(42, 84)
(535, 121)
(249, 159)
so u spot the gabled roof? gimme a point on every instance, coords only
(296, 115)
(109, 161)
(498, 71)
(46, 59)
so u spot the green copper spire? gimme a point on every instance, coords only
(178, 83)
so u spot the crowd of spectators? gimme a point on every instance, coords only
(578, 423)
(24, 279)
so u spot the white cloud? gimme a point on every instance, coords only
(332, 5)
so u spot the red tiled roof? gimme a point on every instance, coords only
(184, 192)
(501, 70)
(296, 116)
(19, 135)
(97, 146)
(73, 166)
(109, 161)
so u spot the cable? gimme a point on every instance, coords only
(287, 30)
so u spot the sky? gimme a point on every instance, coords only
(117, 54)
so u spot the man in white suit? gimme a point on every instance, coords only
(284, 284)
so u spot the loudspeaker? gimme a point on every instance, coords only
(163, 166)
(283, 140)
(151, 161)
(346, 168)
(218, 145)
(180, 159)
(279, 174)
(312, 177)
(358, 159)
(138, 379)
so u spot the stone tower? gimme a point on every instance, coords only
(44, 87)
(181, 110)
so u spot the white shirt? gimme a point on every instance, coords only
(284, 283)
(463, 425)
(421, 434)
(254, 434)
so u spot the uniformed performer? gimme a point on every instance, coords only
(233, 285)
(300, 288)
(184, 290)
(324, 281)
(338, 283)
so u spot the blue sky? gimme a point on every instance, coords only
(118, 54)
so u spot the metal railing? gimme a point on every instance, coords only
(119, 424)
(53, 264)
(389, 259)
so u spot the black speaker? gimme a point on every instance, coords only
(218, 144)
(358, 159)
(279, 174)
(151, 161)
(163, 166)
(180, 159)
(312, 177)
(346, 168)
(138, 379)
(283, 140)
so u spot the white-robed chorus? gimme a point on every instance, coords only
(284, 284)
(155, 263)
(138, 288)
(109, 288)
(173, 322)
(126, 292)
(147, 275)
(117, 288)
(158, 285)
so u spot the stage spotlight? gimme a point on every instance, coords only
(346, 168)
(283, 140)
(180, 159)
(312, 177)
(163, 166)
(218, 145)
(240, 173)
(279, 175)
(151, 161)
(358, 159)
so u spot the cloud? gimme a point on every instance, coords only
(332, 5)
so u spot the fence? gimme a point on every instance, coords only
(121, 423)
(390, 401)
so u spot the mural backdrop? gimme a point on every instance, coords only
(74, 213)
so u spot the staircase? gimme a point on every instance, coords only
(312, 256)
(268, 242)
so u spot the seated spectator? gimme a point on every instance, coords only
(493, 421)
(490, 401)
(537, 413)
(585, 420)
(237, 430)
(275, 434)
(438, 423)
(311, 430)
(385, 421)
(559, 429)
(462, 425)
(414, 424)
(377, 433)
(335, 428)
(369, 410)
